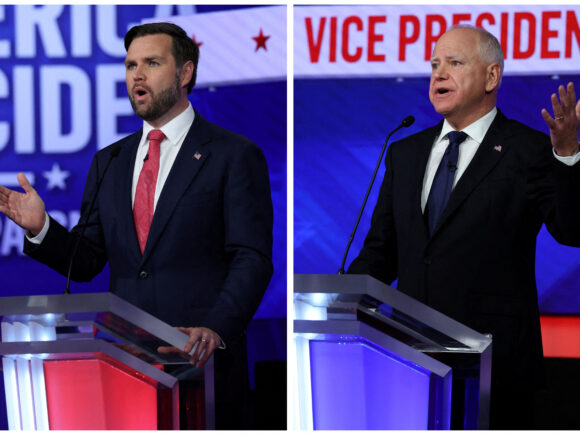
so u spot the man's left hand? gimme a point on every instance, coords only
(566, 122)
(206, 339)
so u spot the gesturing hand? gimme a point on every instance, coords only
(566, 122)
(206, 339)
(25, 209)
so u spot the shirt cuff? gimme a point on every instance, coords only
(568, 160)
(37, 240)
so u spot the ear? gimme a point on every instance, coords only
(186, 73)
(492, 77)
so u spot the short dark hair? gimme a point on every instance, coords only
(183, 47)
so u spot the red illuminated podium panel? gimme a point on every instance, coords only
(91, 362)
(98, 394)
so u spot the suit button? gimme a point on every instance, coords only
(427, 260)
(143, 274)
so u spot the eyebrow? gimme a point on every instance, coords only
(146, 59)
(448, 57)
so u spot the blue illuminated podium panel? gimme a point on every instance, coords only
(369, 357)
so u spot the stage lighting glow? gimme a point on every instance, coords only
(11, 392)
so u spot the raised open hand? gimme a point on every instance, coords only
(25, 209)
(566, 122)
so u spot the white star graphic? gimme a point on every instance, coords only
(56, 177)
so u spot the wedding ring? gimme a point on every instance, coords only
(560, 117)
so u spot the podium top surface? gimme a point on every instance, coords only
(89, 316)
(335, 298)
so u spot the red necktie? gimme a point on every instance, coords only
(145, 193)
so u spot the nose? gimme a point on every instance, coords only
(138, 73)
(440, 72)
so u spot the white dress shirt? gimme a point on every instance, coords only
(175, 132)
(475, 134)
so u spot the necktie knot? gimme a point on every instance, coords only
(156, 135)
(456, 137)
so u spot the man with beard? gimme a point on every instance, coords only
(183, 216)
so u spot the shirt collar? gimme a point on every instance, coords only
(476, 130)
(175, 129)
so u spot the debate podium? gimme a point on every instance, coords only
(370, 357)
(92, 362)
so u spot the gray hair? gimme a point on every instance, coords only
(489, 48)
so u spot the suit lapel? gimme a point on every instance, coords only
(489, 153)
(124, 179)
(188, 162)
(424, 143)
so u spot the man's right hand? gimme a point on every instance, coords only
(26, 209)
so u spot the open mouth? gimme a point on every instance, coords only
(442, 91)
(140, 92)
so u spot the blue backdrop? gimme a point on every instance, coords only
(339, 127)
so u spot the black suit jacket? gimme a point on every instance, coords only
(478, 265)
(207, 261)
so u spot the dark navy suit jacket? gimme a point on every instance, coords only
(207, 261)
(478, 266)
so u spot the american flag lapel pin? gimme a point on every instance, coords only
(197, 155)
(497, 148)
